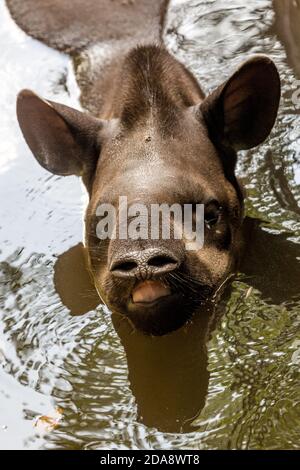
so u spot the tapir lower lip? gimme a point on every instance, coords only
(151, 303)
(137, 307)
(149, 292)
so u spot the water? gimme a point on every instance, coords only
(228, 383)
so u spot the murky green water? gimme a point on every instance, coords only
(232, 382)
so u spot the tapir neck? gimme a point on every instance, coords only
(146, 81)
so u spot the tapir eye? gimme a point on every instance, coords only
(212, 213)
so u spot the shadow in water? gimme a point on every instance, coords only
(73, 283)
(168, 374)
(271, 263)
(280, 184)
(287, 14)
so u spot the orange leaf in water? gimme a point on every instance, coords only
(47, 423)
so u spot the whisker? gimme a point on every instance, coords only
(219, 288)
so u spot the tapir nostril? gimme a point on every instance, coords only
(125, 266)
(161, 261)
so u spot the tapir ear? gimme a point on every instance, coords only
(241, 112)
(63, 140)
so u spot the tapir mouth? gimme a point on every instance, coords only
(147, 292)
(156, 308)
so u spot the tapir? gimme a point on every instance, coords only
(155, 138)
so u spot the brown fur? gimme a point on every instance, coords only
(157, 139)
(72, 25)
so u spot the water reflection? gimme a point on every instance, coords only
(168, 374)
(73, 282)
(287, 27)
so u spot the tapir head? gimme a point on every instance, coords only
(162, 143)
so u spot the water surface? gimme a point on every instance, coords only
(231, 381)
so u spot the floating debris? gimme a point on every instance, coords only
(46, 423)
